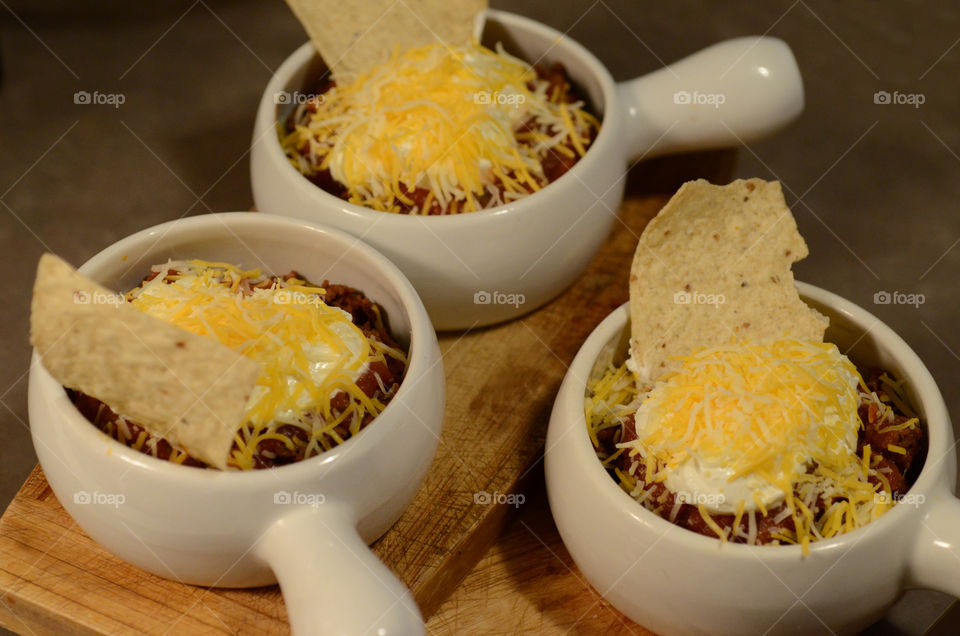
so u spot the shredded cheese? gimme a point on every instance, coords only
(784, 413)
(308, 351)
(445, 119)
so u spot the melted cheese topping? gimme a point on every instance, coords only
(308, 351)
(439, 118)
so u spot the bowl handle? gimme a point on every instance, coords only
(731, 93)
(331, 582)
(935, 562)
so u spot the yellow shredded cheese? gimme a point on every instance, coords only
(441, 118)
(308, 351)
(911, 423)
(720, 532)
(783, 413)
(753, 407)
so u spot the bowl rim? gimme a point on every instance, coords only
(926, 392)
(418, 368)
(606, 141)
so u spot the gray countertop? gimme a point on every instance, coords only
(874, 187)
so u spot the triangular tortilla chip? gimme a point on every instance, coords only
(714, 266)
(353, 37)
(187, 389)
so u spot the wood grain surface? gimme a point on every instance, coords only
(501, 382)
(527, 584)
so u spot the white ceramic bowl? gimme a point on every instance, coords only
(306, 524)
(484, 267)
(674, 581)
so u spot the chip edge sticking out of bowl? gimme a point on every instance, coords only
(91, 340)
(741, 265)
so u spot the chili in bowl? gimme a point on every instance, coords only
(300, 515)
(329, 362)
(655, 571)
(531, 211)
(732, 440)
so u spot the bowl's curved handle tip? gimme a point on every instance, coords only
(734, 92)
(935, 561)
(331, 582)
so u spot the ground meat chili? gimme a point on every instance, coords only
(555, 161)
(899, 466)
(379, 381)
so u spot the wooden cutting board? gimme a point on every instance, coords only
(501, 382)
(528, 585)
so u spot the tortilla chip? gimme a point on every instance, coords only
(353, 37)
(714, 266)
(187, 389)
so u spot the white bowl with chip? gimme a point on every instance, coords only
(492, 265)
(674, 581)
(306, 524)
